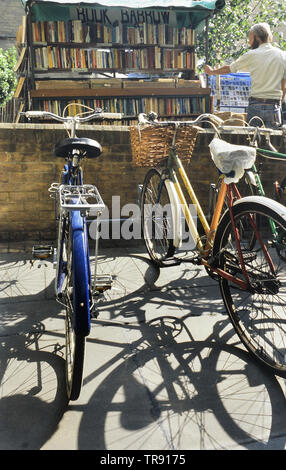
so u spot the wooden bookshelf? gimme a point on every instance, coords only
(74, 51)
(77, 93)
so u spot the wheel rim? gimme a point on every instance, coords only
(69, 320)
(157, 218)
(70, 348)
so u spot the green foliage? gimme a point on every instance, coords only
(8, 80)
(228, 29)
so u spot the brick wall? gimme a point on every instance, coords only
(27, 167)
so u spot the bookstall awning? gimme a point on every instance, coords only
(189, 13)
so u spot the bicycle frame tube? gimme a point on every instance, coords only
(272, 153)
(235, 229)
(192, 194)
(174, 161)
(210, 231)
(243, 284)
(258, 180)
(218, 207)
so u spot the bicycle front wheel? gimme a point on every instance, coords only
(259, 313)
(156, 216)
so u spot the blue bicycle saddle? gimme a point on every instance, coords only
(88, 147)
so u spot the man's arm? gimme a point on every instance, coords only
(219, 71)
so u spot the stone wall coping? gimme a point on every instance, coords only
(60, 127)
(238, 130)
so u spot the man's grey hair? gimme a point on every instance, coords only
(262, 31)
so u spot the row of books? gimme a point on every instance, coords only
(78, 32)
(77, 58)
(132, 106)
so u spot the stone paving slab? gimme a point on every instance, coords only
(164, 369)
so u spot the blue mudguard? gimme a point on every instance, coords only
(81, 275)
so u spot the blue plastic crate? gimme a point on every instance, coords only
(235, 90)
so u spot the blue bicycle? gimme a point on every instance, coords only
(76, 287)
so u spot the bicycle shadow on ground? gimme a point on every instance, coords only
(172, 391)
(185, 288)
(35, 400)
(32, 368)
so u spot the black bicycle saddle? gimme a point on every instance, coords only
(88, 147)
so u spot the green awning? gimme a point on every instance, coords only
(189, 13)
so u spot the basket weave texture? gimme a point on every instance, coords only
(150, 144)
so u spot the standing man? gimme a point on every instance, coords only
(267, 67)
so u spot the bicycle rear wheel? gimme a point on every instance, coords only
(77, 321)
(259, 313)
(157, 218)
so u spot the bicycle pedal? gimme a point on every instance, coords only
(42, 251)
(248, 256)
(194, 260)
(54, 258)
(103, 282)
(170, 262)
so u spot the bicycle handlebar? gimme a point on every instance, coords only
(151, 118)
(215, 121)
(99, 115)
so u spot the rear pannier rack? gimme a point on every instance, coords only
(84, 197)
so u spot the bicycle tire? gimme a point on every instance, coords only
(258, 314)
(257, 190)
(78, 305)
(157, 230)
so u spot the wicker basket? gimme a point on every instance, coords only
(150, 145)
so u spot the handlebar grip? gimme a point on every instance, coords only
(217, 120)
(112, 115)
(31, 114)
(142, 118)
(149, 118)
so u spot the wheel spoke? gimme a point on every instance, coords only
(258, 314)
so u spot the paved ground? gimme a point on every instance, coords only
(163, 371)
